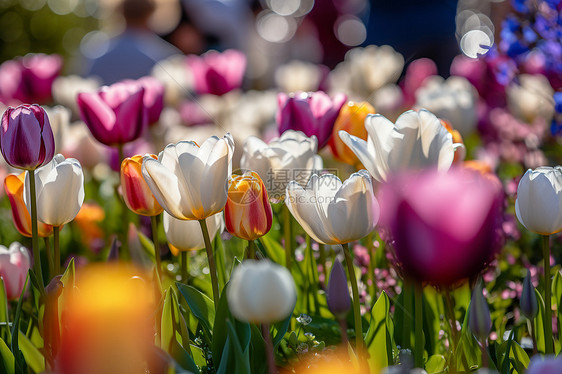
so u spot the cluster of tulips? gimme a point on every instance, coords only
(407, 196)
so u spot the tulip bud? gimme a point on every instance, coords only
(136, 193)
(14, 187)
(26, 137)
(248, 212)
(185, 235)
(351, 119)
(60, 190)
(14, 264)
(337, 293)
(528, 303)
(479, 320)
(261, 292)
(539, 202)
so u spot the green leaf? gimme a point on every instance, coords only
(467, 356)
(200, 305)
(32, 356)
(241, 358)
(281, 328)
(505, 367)
(7, 362)
(172, 324)
(273, 250)
(183, 358)
(220, 331)
(225, 357)
(557, 295)
(379, 339)
(19, 358)
(68, 281)
(4, 311)
(539, 324)
(436, 364)
(257, 351)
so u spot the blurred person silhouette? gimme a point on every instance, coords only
(133, 53)
(186, 36)
(416, 29)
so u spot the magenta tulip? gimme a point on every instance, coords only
(14, 264)
(153, 97)
(115, 114)
(26, 137)
(217, 73)
(29, 79)
(313, 113)
(444, 225)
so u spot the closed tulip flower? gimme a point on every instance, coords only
(190, 182)
(60, 190)
(26, 137)
(292, 156)
(14, 186)
(539, 200)
(153, 98)
(114, 114)
(457, 215)
(248, 212)
(351, 119)
(186, 236)
(416, 141)
(479, 320)
(136, 193)
(312, 113)
(332, 212)
(528, 303)
(261, 292)
(337, 294)
(217, 73)
(14, 264)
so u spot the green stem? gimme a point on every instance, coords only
(221, 267)
(418, 325)
(322, 258)
(183, 263)
(359, 343)
(251, 250)
(212, 265)
(288, 236)
(408, 315)
(548, 348)
(34, 232)
(56, 246)
(50, 260)
(313, 274)
(371, 270)
(452, 321)
(154, 225)
(271, 368)
(124, 212)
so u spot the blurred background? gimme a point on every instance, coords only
(269, 32)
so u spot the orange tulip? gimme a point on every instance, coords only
(248, 213)
(87, 220)
(13, 185)
(136, 193)
(351, 119)
(460, 152)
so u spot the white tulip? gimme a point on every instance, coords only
(453, 99)
(539, 200)
(66, 89)
(187, 235)
(298, 76)
(59, 117)
(59, 189)
(531, 98)
(261, 292)
(416, 141)
(190, 182)
(289, 157)
(332, 212)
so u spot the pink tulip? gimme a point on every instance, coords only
(14, 264)
(153, 97)
(312, 113)
(115, 114)
(29, 79)
(26, 137)
(217, 73)
(416, 73)
(444, 225)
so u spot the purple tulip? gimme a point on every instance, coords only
(312, 113)
(115, 114)
(153, 97)
(545, 365)
(479, 320)
(217, 73)
(445, 225)
(528, 302)
(337, 293)
(29, 79)
(26, 137)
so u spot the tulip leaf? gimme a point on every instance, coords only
(513, 356)
(8, 362)
(20, 364)
(172, 326)
(539, 324)
(436, 364)
(4, 321)
(281, 328)
(257, 351)
(467, 355)
(68, 281)
(273, 250)
(32, 356)
(380, 344)
(182, 358)
(241, 357)
(557, 294)
(225, 356)
(200, 305)
(220, 329)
